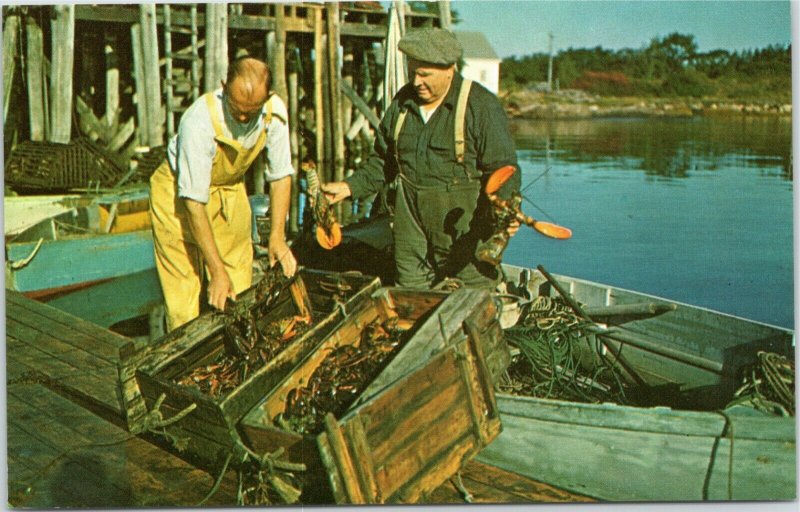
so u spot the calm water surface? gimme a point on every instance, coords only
(694, 210)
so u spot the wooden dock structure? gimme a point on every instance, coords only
(68, 445)
(121, 75)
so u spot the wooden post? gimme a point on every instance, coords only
(294, 210)
(327, 118)
(319, 114)
(216, 59)
(278, 57)
(10, 40)
(63, 50)
(195, 54)
(112, 83)
(347, 81)
(36, 96)
(444, 14)
(149, 40)
(168, 77)
(335, 73)
(138, 76)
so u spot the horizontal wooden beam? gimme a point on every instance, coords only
(125, 14)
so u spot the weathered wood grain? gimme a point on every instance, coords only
(63, 46)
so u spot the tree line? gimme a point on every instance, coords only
(668, 66)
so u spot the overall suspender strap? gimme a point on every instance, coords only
(268, 113)
(212, 111)
(398, 126)
(215, 121)
(461, 113)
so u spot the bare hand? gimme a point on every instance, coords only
(336, 191)
(513, 227)
(220, 288)
(279, 251)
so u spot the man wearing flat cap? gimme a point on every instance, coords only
(440, 213)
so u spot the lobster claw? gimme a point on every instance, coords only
(330, 238)
(498, 178)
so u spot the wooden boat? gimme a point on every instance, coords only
(89, 239)
(684, 445)
(697, 449)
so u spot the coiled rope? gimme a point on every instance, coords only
(557, 358)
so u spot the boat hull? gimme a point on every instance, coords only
(620, 453)
(692, 448)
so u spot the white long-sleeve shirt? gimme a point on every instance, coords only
(191, 151)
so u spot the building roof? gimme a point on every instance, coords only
(476, 46)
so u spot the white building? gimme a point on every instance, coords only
(481, 63)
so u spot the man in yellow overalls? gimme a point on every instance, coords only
(198, 203)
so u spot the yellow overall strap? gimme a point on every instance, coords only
(212, 111)
(215, 121)
(461, 113)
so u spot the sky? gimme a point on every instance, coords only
(521, 27)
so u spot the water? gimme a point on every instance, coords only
(694, 210)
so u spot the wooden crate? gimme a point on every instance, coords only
(210, 426)
(412, 427)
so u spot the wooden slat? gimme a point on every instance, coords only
(353, 493)
(70, 329)
(489, 484)
(52, 348)
(93, 470)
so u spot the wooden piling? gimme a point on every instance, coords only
(319, 114)
(112, 82)
(139, 82)
(294, 141)
(216, 58)
(154, 129)
(335, 73)
(10, 44)
(36, 79)
(444, 14)
(168, 78)
(63, 52)
(278, 59)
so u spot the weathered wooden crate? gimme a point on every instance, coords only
(210, 423)
(428, 411)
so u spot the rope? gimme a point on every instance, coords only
(16, 265)
(154, 422)
(549, 336)
(269, 467)
(459, 484)
(217, 482)
(768, 386)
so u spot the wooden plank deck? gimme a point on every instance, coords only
(68, 446)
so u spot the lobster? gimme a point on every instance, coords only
(329, 232)
(505, 211)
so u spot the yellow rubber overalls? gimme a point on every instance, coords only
(178, 258)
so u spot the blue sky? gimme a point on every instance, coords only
(520, 27)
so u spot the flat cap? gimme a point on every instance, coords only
(431, 45)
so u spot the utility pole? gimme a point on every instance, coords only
(550, 62)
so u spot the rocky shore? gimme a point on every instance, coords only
(576, 104)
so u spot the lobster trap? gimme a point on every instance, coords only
(54, 166)
(391, 404)
(167, 387)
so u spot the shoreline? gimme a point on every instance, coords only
(572, 104)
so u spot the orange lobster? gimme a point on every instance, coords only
(506, 211)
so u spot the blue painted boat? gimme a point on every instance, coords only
(101, 237)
